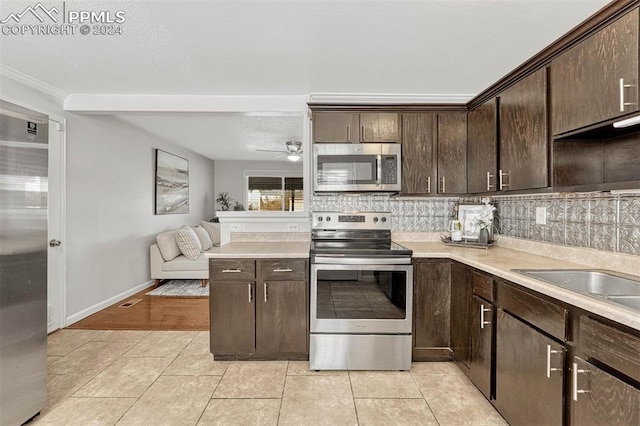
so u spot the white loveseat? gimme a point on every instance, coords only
(167, 262)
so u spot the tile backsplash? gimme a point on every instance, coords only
(597, 220)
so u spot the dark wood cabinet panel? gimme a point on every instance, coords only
(523, 133)
(282, 317)
(603, 399)
(481, 373)
(232, 270)
(431, 307)
(526, 392)
(336, 127)
(379, 127)
(585, 80)
(482, 285)
(452, 153)
(232, 317)
(460, 312)
(418, 153)
(283, 269)
(482, 148)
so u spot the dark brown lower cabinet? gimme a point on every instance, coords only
(431, 306)
(282, 322)
(482, 345)
(529, 374)
(598, 398)
(232, 316)
(460, 314)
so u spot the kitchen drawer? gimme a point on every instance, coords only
(232, 270)
(283, 269)
(611, 346)
(482, 285)
(547, 316)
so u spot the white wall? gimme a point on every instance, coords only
(110, 202)
(229, 174)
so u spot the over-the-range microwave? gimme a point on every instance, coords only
(356, 167)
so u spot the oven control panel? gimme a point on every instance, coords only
(362, 220)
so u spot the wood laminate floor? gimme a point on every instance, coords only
(151, 313)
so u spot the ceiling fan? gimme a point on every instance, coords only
(293, 152)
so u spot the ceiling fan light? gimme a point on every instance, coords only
(293, 157)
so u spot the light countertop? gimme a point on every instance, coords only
(260, 250)
(500, 261)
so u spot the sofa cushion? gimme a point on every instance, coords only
(214, 231)
(188, 242)
(181, 263)
(168, 246)
(203, 236)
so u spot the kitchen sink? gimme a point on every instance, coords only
(618, 288)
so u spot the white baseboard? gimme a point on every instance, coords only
(106, 303)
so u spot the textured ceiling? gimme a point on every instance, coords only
(252, 47)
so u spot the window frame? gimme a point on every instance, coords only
(282, 174)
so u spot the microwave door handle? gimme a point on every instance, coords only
(378, 169)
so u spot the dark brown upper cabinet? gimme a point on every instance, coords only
(523, 134)
(482, 148)
(452, 153)
(353, 127)
(596, 80)
(418, 153)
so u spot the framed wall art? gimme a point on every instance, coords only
(172, 183)
(468, 215)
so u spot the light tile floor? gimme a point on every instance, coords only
(170, 378)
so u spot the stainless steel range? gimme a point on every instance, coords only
(361, 294)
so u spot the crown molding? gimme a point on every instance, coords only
(34, 83)
(387, 98)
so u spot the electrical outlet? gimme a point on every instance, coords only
(292, 227)
(541, 215)
(236, 227)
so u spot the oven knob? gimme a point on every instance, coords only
(375, 220)
(384, 219)
(328, 218)
(319, 218)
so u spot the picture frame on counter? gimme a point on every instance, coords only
(468, 215)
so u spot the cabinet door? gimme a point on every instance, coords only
(431, 305)
(528, 388)
(481, 345)
(418, 153)
(336, 127)
(379, 127)
(482, 148)
(585, 81)
(452, 153)
(282, 317)
(460, 310)
(523, 133)
(598, 398)
(232, 318)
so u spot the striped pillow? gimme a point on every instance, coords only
(188, 242)
(203, 236)
(214, 231)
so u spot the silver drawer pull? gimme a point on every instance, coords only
(575, 391)
(549, 369)
(283, 270)
(250, 293)
(482, 311)
(265, 293)
(231, 271)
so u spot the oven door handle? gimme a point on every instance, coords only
(337, 260)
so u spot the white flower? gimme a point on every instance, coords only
(485, 218)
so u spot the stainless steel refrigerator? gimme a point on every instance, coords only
(23, 263)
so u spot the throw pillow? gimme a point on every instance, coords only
(168, 246)
(188, 242)
(214, 231)
(203, 236)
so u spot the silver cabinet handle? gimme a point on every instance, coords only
(429, 185)
(501, 176)
(549, 352)
(574, 386)
(231, 271)
(482, 311)
(348, 132)
(362, 134)
(443, 185)
(265, 292)
(623, 86)
(283, 270)
(250, 293)
(489, 176)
